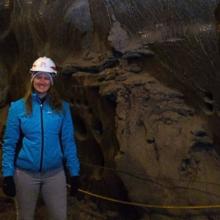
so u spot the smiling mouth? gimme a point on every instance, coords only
(41, 85)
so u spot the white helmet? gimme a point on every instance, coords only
(44, 64)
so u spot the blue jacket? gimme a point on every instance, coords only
(44, 131)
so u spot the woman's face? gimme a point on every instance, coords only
(41, 83)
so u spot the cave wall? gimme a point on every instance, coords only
(142, 78)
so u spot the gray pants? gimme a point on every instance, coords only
(51, 185)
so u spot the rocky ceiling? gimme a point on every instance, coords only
(143, 79)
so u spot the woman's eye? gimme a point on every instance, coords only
(44, 78)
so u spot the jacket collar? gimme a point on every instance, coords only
(36, 97)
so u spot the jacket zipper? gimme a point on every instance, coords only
(42, 137)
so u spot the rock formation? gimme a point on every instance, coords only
(142, 77)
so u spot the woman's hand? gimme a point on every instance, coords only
(9, 186)
(74, 183)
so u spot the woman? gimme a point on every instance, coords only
(43, 123)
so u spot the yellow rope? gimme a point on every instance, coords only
(148, 205)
